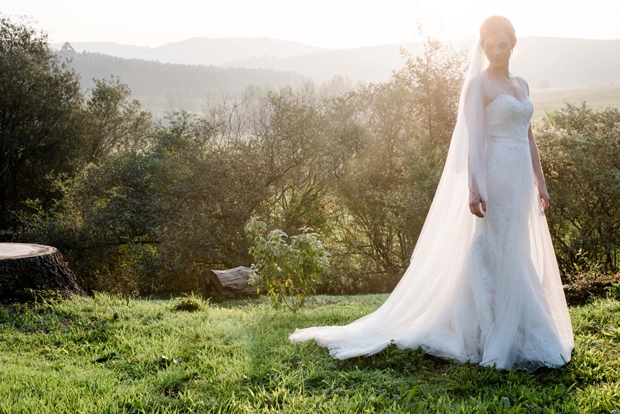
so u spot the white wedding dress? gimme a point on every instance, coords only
(485, 290)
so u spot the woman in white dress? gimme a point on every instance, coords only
(483, 285)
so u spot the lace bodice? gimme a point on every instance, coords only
(508, 119)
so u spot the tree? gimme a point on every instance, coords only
(148, 220)
(580, 153)
(301, 146)
(114, 121)
(40, 100)
(388, 187)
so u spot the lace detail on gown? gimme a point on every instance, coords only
(504, 305)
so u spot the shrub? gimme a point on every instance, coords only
(580, 149)
(188, 304)
(286, 271)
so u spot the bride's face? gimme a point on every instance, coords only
(497, 49)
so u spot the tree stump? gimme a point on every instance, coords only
(226, 284)
(36, 267)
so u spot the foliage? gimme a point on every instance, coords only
(147, 220)
(115, 122)
(166, 87)
(303, 140)
(39, 105)
(237, 359)
(189, 303)
(387, 188)
(613, 290)
(141, 208)
(580, 149)
(49, 130)
(287, 272)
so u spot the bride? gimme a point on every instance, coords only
(483, 285)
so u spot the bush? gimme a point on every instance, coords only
(580, 149)
(40, 106)
(188, 303)
(146, 221)
(287, 272)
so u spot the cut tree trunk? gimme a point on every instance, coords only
(226, 284)
(36, 267)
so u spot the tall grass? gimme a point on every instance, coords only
(112, 355)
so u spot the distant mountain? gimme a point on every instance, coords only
(200, 50)
(106, 48)
(148, 77)
(561, 62)
(171, 87)
(372, 64)
(567, 63)
(550, 63)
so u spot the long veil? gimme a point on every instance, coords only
(429, 287)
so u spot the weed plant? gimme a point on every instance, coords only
(108, 355)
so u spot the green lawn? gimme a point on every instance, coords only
(105, 355)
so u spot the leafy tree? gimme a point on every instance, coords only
(580, 152)
(40, 101)
(292, 137)
(166, 87)
(388, 187)
(147, 220)
(114, 120)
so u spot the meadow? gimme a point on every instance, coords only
(598, 97)
(118, 355)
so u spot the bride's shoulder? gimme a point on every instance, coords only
(476, 82)
(523, 83)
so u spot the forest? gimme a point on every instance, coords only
(139, 206)
(168, 87)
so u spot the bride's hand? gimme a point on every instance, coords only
(544, 198)
(477, 204)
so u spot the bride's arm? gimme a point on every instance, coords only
(475, 128)
(538, 172)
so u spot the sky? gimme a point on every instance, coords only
(334, 24)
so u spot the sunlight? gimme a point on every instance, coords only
(324, 23)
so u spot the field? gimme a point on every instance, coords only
(113, 355)
(598, 97)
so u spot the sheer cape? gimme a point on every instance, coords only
(425, 304)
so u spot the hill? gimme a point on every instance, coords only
(573, 70)
(567, 63)
(598, 97)
(562, 62)
(105, 48)
(371, 64)
(169, 87)
(200, 50)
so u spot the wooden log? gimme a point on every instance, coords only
(36, 267)
(226, 284)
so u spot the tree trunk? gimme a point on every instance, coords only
(36, 267)
(226, 284)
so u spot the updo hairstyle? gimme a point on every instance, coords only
(497, 24)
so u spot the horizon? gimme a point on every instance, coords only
(306, 44)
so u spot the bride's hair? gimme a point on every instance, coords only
(497, 24)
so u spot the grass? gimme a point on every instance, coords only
(107, 355)
(598, 97)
